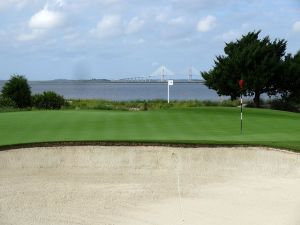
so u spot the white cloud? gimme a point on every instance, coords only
(230, 36)
(112, 26)
(46, 19)
(19, 4)
(134, 25)
(60, 3)
(42, 22)
(207, 23)
(141, 41)
(177, 21)
(110, 2)
(196, 5)
(161, 17)
(35, 34)
(108, 27)
(71, 36)
(296, 26)
(155, 64)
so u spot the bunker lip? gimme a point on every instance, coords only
(175, 144)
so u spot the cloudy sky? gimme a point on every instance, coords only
(83, 39)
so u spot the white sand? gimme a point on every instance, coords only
(149, 185)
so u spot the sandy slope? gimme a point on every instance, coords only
(149, 185)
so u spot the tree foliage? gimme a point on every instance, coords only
(48, 100)
(289, 83)
(18, 90)
(222, 79)
(259, 62)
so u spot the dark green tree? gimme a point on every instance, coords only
(222, 79)
(18, 90)
(259, 62)
(289, 82)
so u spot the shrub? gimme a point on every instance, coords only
(7, 102)
(18, 90)
(145, 108)
(48, 100)
(281, 104)
(251, 104)
(230, 103)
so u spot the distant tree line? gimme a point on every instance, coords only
(264, 66)
(16, 93)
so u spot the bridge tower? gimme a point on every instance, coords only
(190, 73)
(163, 75)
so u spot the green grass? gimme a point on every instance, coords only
(97, 104)
(205, 125)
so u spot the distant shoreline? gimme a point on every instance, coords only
(110, 81)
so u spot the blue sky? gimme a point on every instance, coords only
(83, 39)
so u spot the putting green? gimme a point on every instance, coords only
(206, 125)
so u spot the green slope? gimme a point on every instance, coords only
(207, 125)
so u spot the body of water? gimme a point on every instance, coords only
(121, 91)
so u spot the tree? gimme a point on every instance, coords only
(257, 61)
(289, 82)
(224, 81)
(18, 90)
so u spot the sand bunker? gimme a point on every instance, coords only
(149, 185)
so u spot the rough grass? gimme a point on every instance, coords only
(204, 125)
(143, 105)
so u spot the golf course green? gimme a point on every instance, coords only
(205, 125)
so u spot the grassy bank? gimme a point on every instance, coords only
(204, 125)
(98, 104)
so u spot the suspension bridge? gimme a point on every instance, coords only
(163, 73)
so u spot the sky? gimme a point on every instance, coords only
(112, 39)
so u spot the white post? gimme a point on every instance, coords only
(170, 83)
(168, 93)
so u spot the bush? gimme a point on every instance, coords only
(18, 90)
(281, 104)
(145, 108)
(48, 100)
(251, 104)
(230, 103)
(7, 103)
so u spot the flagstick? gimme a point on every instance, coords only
(241, 84)
(241, 113)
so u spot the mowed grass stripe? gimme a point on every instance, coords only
(206, 125)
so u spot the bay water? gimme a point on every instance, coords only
(124, 91)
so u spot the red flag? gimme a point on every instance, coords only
(242, 84)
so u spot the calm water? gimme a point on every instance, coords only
(125, 91)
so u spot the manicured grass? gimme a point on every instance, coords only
(205, 125)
